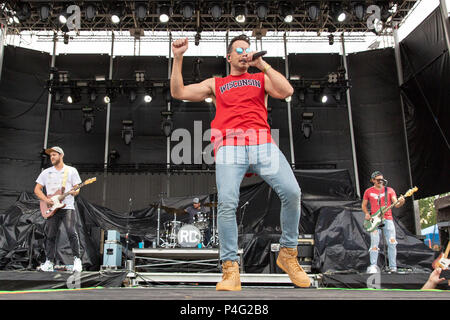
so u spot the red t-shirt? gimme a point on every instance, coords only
(241, 113)
(372, 194)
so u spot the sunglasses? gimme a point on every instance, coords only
(379, 180)
(241, 50)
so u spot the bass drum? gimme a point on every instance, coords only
(189, 236)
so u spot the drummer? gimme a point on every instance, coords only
(194, 211)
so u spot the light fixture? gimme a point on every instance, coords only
(188, 10)
(167, 123)
(148, 96)
(132, 95)
(66, 38)
(140, 10)
(301, 95)
(338, 13)
(358, 10)
(57, 93)
(323, 98)
(239, 13)
(88, 119)
(113, 157)
(24, 12)
(164, 13)
(286, 12)
(331, 39)
(307, 125)
(139, 75)
(62, 18)
(90, 12)
(127, 131)
(44, 12)
(313, 11)
(262, 9)
(116, 14)
(215, 10)
(74, 96)
(92, 95)
(109, 96)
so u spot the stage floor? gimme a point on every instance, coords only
(202, 293)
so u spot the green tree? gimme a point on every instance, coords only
(427, 211)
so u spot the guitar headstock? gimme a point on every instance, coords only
(411, 191)
(91, 180)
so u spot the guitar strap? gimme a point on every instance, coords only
(66, 173)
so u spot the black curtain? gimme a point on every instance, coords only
(426, 70)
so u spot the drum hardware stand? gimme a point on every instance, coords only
(214, 241)
(159, 219)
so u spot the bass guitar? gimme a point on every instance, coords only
(57, 198)
(378, 217)
(442, 261)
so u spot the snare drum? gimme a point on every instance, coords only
(201, 220)
(189, 236)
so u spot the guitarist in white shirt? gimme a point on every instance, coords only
(376, 197)
(53, 179)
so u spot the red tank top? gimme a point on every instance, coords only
(241, 113)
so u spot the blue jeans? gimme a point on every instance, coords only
(389, 235)
(267, 161)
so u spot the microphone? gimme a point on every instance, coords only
(385, 182)
(258, 54)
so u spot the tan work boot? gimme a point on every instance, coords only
(231, 281)
(287, 261)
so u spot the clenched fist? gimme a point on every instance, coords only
(179, 47)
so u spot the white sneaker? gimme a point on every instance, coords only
(77, 266)
(373, 269)
(47, 266)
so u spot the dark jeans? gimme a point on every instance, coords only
(68, 217)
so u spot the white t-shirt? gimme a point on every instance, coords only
(52, 180)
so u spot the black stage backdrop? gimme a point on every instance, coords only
(378, 125)
(329, 211)
(426, 72)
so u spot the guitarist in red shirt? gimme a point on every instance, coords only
(380, 196)
(59, 176)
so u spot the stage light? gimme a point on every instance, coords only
(58, 95)
(74, 96)
(113, 156)
(197, 38)
(331, 39)
(140, 10)
(44, 12)
(116, 14)
(132, 95)
(109, 96)
(358, 10)
(88, 119)
(148, 96)
(286, 12)
(307, 125)
(164, 13)
(313, 11)
(338, 13)
(301, 95)
(127, 131)
(24, 12)
(166, 123)
(92, 95)
(215, 11)
(66, 38)
(62, 18)
(140, 75)
(262, 9)
(188, 10)
(239, 13)
(90, 12)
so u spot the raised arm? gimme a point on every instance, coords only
(276, 85)
(193, 92)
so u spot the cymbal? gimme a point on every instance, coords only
(210, 204)
(170, 210)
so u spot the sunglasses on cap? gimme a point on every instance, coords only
(241, 50)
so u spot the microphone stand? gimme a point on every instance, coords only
(128, 229)
(380, 227)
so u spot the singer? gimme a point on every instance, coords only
(243, 143)
(380, 195)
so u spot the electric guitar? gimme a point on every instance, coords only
(378, 217)
(442, 261)
(57, 198)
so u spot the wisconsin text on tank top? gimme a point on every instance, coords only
(241, 113)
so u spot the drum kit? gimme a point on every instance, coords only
(179, 234)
